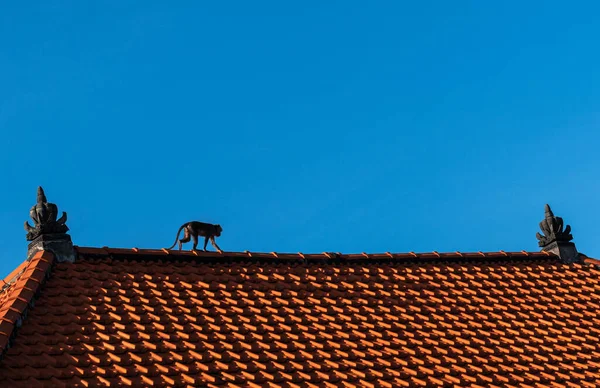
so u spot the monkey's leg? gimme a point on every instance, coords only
(214, 244)
(205, 242)
(195, 238)
(185, 239)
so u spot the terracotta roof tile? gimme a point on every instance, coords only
(18, 291)
(119, 317)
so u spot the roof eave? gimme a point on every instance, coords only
(23, 289)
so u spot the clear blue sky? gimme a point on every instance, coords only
(320, 126)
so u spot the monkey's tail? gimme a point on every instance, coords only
(176, 237)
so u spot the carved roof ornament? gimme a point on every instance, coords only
(552, 227)
(44, 214)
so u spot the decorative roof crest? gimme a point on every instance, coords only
(552, 227)
(44, 214)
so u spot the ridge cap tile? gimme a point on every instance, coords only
(425, 258)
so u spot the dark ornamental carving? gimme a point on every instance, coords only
(552, 227)
(44, 214)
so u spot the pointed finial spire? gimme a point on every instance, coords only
(552, 227)
(548, 211)
(554, 238)
(47, 232)
(43, 214)
(41, 196)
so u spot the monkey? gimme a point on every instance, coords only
(194, 229)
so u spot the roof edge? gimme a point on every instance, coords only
(410, 257)
(14, 275)
(23, 288)
(590, 260)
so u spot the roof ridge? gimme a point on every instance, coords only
(434, 256)
(20, 293)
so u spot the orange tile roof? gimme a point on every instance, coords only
(18, 290)
(119, 317)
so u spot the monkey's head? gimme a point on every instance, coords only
(218, 230)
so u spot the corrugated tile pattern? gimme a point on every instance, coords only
(18, 291)
(179, 321)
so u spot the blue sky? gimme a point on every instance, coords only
(317, 126)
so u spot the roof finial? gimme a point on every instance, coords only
(47, 232)
(554, 239)
(41, 196)
(548, 211)
(43, 214)
(552, 227)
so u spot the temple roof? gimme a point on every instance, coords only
(136, 317)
